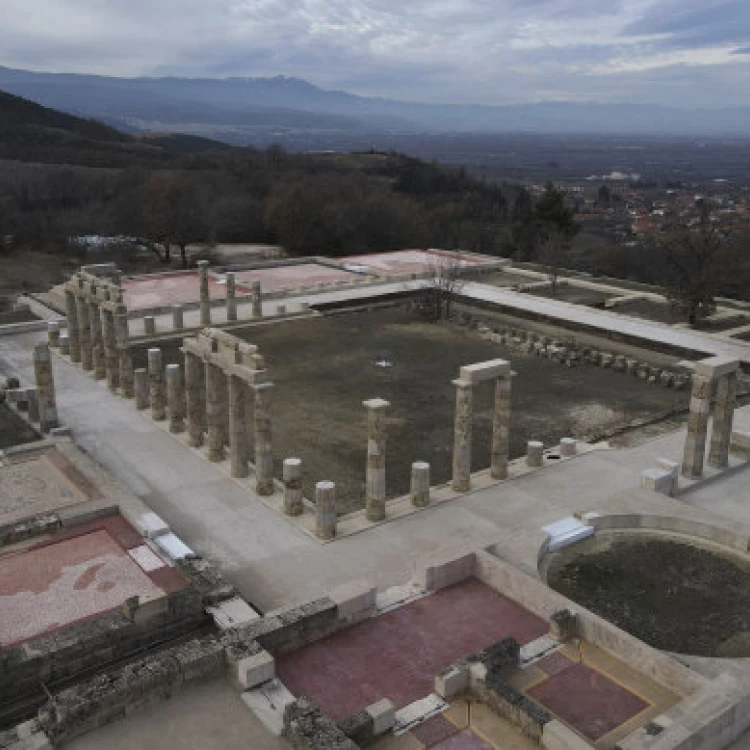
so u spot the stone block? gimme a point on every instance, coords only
(149, 608)
(715, 367)
(61, 432)
(232, 613)
(383, 714)
(568, 447)
(173, 547)
(658, 480)
(493, 368)
(565, 532)
(151, 526)
(268, 702)
(452, 681)
(355, 600)
(741, 441)
(253, 670)
(436, 576)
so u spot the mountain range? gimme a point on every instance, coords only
(234, 109)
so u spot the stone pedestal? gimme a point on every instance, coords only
(420, 484)
(238, 443)
(257, 300)
(205, 299)
(216, 409)
(194, 393)
(263, 439)
(74, 336)
(500, 429)
(375, 475)
(178, 319)
(45, 384)
(292, 475)
(534, 453)
(157, 391)
(568, 447)
(84, 334)
(141, 389)
(697, 428)
(325, 510)
(462, 435)
(53, 334)
(231, 297)
(721, 433)
(175, 399)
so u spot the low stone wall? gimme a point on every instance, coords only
(306, 727)
(116, 694)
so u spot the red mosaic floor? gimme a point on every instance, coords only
(284, 277)
(405, 261)
(145, 292)
(398, 654)
(584, 698)
(77, 574)
(463, 740)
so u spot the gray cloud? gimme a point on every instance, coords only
(486, 51)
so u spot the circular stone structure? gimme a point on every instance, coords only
(678, 594)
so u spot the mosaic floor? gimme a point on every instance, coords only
(39, 482)
(404, 261)
(284, 277)
(75, 575)
(398, 654)
(142, 292)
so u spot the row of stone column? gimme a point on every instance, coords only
(717, 375)
(231, 298)
(98, 339)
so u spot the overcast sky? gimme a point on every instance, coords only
(678, 52)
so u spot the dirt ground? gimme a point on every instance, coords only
(325, 367)
(574, 294)
(13, 430)
(673, 596)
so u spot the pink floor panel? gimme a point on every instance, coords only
(398, 654)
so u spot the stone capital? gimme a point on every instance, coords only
(376, 403)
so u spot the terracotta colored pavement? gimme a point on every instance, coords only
(157, 291)
(78, 573)
(434, 731)
(282, 277)
(587, 700)
(397, 655)
(464, 740)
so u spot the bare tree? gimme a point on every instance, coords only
(444, 283)
(551, 251)
(695, 262)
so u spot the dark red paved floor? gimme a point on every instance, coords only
(398, 654)
(587, 700)
(464, 740)
(434, 731)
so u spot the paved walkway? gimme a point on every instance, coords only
(274, 564)
(600, 320)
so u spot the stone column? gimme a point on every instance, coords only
(500, 429)
(205, 296)
(149, 325)
(125, 358)
(140, 388)
(325, 510)
(32, 398)
(64, 343)
(53, 334)
(194, 387)
(97, 346)
(74, 334)
(84, 333)
(111, 353)
(238, 443)
(178, 319)
(45, 384)
(375, 476)
(231, 297)
(257, 300)
(462, 435)
(420, 484)
(175, 399)
(216, 409)
(263, 443)
(721, 433)
(697, 427)
(568, 447)
(157, 390)
(534, 453)
(292, 474)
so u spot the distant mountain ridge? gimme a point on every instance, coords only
(210, 106)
